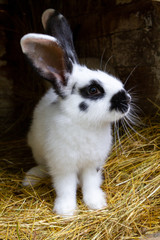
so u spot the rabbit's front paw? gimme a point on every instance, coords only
(95, 199)
(65, 207)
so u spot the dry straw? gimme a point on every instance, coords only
(132, 184)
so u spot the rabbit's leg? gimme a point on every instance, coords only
(65, 185)
(93, 195)
(34, 175)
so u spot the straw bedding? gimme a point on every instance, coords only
(132, 184)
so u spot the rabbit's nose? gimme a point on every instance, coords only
(120, 101)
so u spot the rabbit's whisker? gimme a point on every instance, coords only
(101, 61)
(105, 66)
(132, 128)
(130, 74)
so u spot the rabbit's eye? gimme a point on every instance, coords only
(93, 90)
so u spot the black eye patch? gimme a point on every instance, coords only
(93, 91)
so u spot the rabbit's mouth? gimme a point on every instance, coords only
(121, 102)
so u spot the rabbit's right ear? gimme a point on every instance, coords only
(48, 58)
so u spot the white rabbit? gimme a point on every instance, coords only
(70, 135)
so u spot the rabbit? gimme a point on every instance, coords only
(71, 131)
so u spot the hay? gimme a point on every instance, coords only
(132, 184)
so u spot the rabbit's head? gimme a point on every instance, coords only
(86, 95)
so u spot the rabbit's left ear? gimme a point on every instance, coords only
(47, 57)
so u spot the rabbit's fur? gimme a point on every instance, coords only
(70, 134)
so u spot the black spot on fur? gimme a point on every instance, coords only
(93, 91)
(120, 101)
(73, 88)
(69, 64)
(83, 106)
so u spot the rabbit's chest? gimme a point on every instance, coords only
(78, 147)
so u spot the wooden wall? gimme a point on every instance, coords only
(6, 104)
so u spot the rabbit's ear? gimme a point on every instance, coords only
(46, 16)
(56, 25)
(47, 57)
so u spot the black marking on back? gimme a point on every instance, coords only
(83, 106)
(86, 91)
(58, 27)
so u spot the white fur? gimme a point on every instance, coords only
(71, 143)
